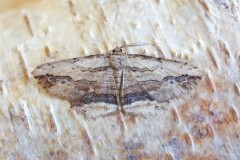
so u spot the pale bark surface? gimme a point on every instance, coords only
(36, 125)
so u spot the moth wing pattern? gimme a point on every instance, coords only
(162, 80)
(99, 85)
(87, 83)
(161, 67)
(135, 99)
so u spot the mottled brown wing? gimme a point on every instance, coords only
(149, 79)
(82, 81)
(134, 97)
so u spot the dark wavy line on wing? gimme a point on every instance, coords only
(134, 97)
(136, 69)
(179, 79)
(47, 81)
(98, 98)
(97, 69)
(155, 58)
(55, 79)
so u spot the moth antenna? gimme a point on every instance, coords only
(119, 49)
(141, 44)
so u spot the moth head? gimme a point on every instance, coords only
(117, 50)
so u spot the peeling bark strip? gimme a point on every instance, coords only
(26, 19)
(22, 64)
(117, 80)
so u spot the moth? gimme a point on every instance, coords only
(105, 83)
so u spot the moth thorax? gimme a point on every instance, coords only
(118, 61)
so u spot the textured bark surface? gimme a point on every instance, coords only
(36, 125)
